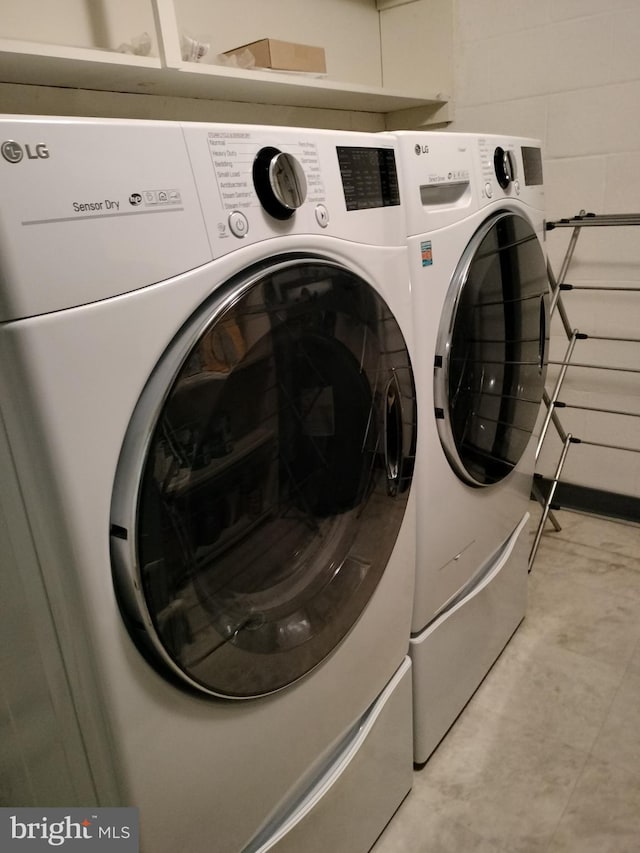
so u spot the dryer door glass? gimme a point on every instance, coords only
(275, 444)
(490, 375)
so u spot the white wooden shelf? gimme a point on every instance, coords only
(88, 68)
(76, 67)
(266, 87)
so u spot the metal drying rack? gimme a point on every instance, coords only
(551, 399)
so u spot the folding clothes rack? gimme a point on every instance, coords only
(551, 399)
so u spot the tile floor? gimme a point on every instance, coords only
(546, 756)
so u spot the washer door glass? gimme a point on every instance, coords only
(273, 448)
(492, 347)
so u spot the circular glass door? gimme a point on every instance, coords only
(492, 350)
(264, 478)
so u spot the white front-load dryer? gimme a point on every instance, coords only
(475, 225)
(207, 530)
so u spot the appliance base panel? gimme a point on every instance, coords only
(350, 804)
(453, 654)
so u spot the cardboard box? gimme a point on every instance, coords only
(284, 55)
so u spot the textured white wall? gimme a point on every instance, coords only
(568, 72)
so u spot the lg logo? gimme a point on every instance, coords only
(14, 153)
(421, 149)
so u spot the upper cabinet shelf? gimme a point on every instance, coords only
(80, 46)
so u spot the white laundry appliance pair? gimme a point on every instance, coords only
(207, 530)
(475, 220)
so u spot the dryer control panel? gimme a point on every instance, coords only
(95, 208)
(256, 183)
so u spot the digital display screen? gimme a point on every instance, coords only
(369, 177)
(532, 162)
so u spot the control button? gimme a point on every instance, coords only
(238, 224)
(488, 190)
(516, 186)
(322, 215)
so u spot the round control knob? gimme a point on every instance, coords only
(504, 165)
(279, 181)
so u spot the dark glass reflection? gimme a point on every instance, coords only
(496, 374)
(266, 516)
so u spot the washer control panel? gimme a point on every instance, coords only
(447, 176)
(499, 167)
(510, 167)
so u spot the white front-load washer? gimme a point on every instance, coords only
(475, 220)
(207, 530)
